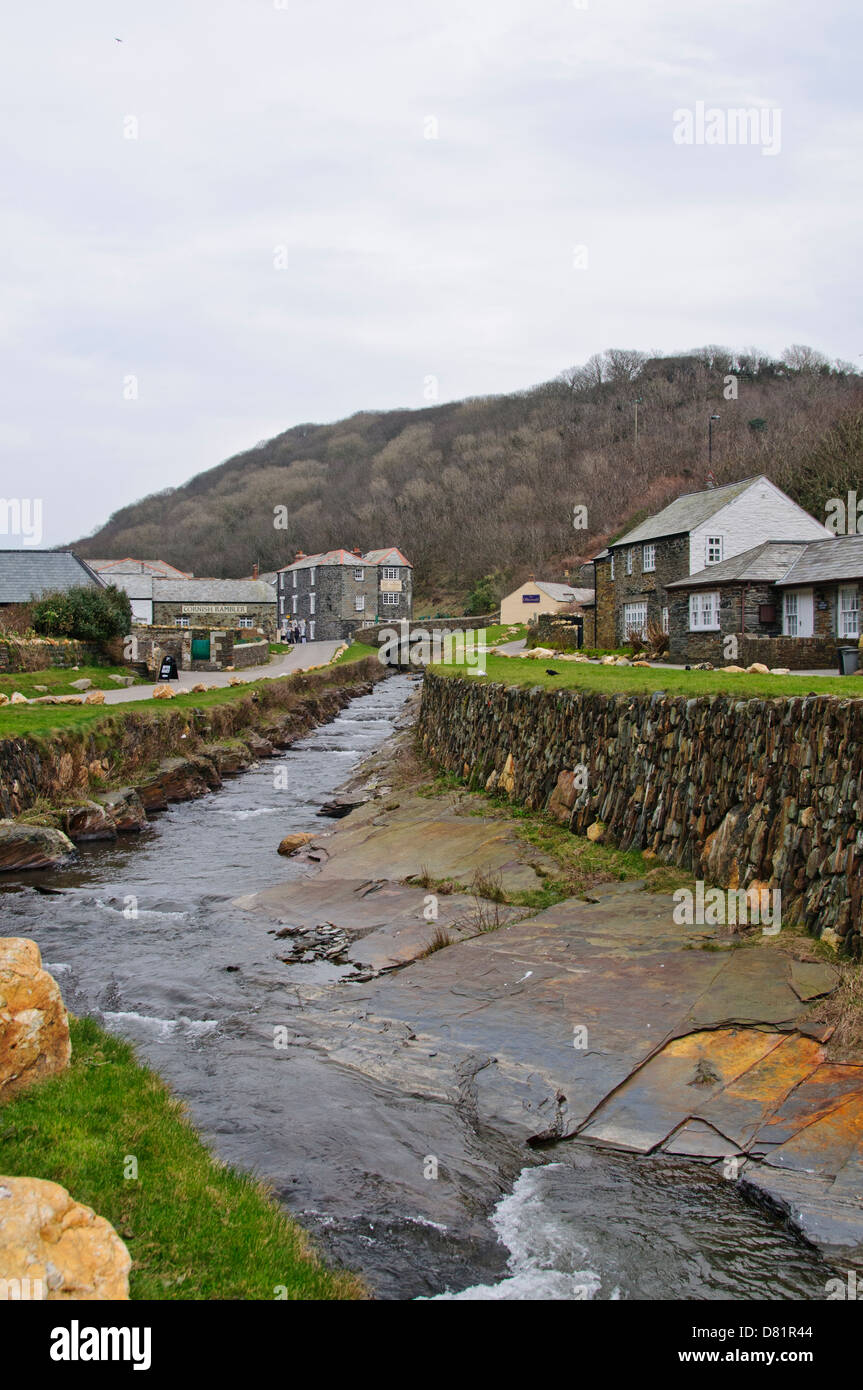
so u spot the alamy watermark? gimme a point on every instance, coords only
(729, 125)
(22, 516)
(419, 646)
(731, 907)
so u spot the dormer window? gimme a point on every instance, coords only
(713, 552)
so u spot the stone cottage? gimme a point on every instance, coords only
(784, 603)
(692, 534)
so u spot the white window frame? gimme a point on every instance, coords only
(390, 572)
(295, 578)
(390, 599)
(360, 603)
(629, 560)
(848, 611)
(648, 558)
(311, 603)
(359, 575)
(714, 550)
(294, 605)
(612, 564)
(245, 622)
(182, 621)
(797, 616)
(665, 620)
(704, 610)
(312, 577)
(630, 621)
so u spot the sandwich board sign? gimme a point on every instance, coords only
(168, 669)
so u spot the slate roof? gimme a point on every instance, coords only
(392, 556)
(159, 568)
(135, 585)
(24, 574)
(686, 512)
(822, 561)
(563, 593)
(212, 591)
(765, 563)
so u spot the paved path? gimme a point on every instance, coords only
(300, 658)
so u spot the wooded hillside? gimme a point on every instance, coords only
(488, 485)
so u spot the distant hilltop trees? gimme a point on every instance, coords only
(487, 486)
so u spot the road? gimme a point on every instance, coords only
(298, 659)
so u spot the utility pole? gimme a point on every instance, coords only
(637, 402)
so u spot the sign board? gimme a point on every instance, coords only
(216, 607)
(168, 669)
(391, 586)
(530, 598)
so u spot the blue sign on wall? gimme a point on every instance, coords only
(530, 598)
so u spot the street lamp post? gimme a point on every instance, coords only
(710, 440)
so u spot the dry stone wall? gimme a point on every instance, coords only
(738, 791)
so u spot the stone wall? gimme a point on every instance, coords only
(36, 654)
(123, 745)
(248, 654)
(738, 791)
(369, 635)
(551, 630)
(796, 653)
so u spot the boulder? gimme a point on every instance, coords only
(82, 684)
(595, 831)
(184, 779)
(89, 821)
(4, 699)
(734, 670)
(608, 661)
(94, 697)
(758, 669)
(152, 796)
(125, 808)
(18, 698)
(259, 747)
(723, 849)
(228, 758)
(563, 797)
(780, 670)
(60, 1246)
(34, 1027)
(121, 680)
(294, 842)
(235, 680)
(506, 781)
(163, 692)
(199, 688)
(58, 700)
(32, 846)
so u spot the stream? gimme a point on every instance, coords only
(141, 934)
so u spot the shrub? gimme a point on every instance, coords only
(84, 613)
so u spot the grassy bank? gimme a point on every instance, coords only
(195, 1229)
(58, 680)
(571, 675)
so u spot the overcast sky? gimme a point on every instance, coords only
(283, 242)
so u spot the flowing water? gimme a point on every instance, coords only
(141, 933)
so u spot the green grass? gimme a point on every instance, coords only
(355, 652)
(628, 680)
(59, 680)
(195, 1228)
(501, 633)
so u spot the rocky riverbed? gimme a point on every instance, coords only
(426, 1116)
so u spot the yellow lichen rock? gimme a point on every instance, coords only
(60, 1247)
(34, 1027)
(94, 697)
(506, 781)
(163, 692)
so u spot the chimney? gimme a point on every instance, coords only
(255, 570)
(300, 555)
(356, 550)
